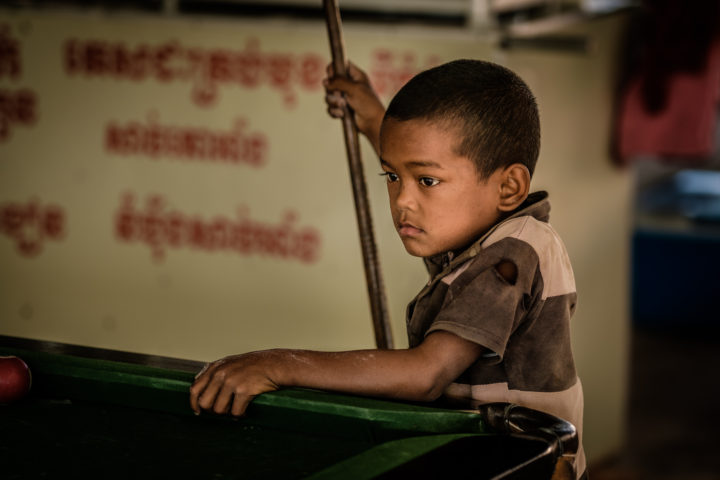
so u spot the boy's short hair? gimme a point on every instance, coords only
(494, 109)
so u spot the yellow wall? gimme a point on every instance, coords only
(87, 285)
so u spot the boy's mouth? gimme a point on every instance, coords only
(408, 230)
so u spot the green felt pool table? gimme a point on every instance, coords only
(103, 414)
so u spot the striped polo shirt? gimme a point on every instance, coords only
(522, 318)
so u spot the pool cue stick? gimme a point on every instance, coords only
(378, 301)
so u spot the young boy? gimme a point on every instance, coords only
(458, 145)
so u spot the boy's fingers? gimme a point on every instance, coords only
(198, 387)
(336, 112)
(352, 71)
(240, 404)
(210, 392)
(221, 405)
(336, 103)
(342, 84)
(204, 369)
(355, 73)
(194, 401)
(335, 99)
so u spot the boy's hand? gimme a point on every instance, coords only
(229, 385)
(356, 92)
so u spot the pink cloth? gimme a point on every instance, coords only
(685, 128)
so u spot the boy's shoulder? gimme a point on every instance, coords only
(525, 238)
(529, 224)
(529, 241)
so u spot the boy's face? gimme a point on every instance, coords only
(437, 201)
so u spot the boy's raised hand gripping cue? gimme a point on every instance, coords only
(355, 91)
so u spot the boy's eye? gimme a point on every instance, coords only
(391, 177)
(429, 181)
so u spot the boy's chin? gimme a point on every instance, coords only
(419, 251)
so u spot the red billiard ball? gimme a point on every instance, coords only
(15, 379)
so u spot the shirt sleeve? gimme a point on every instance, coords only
(484, 307)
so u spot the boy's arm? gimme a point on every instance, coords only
(356, 92)
(418, 374)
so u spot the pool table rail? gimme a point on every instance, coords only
(402, 438)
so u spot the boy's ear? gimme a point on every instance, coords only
(514, 186)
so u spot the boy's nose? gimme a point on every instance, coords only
(405, 200)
